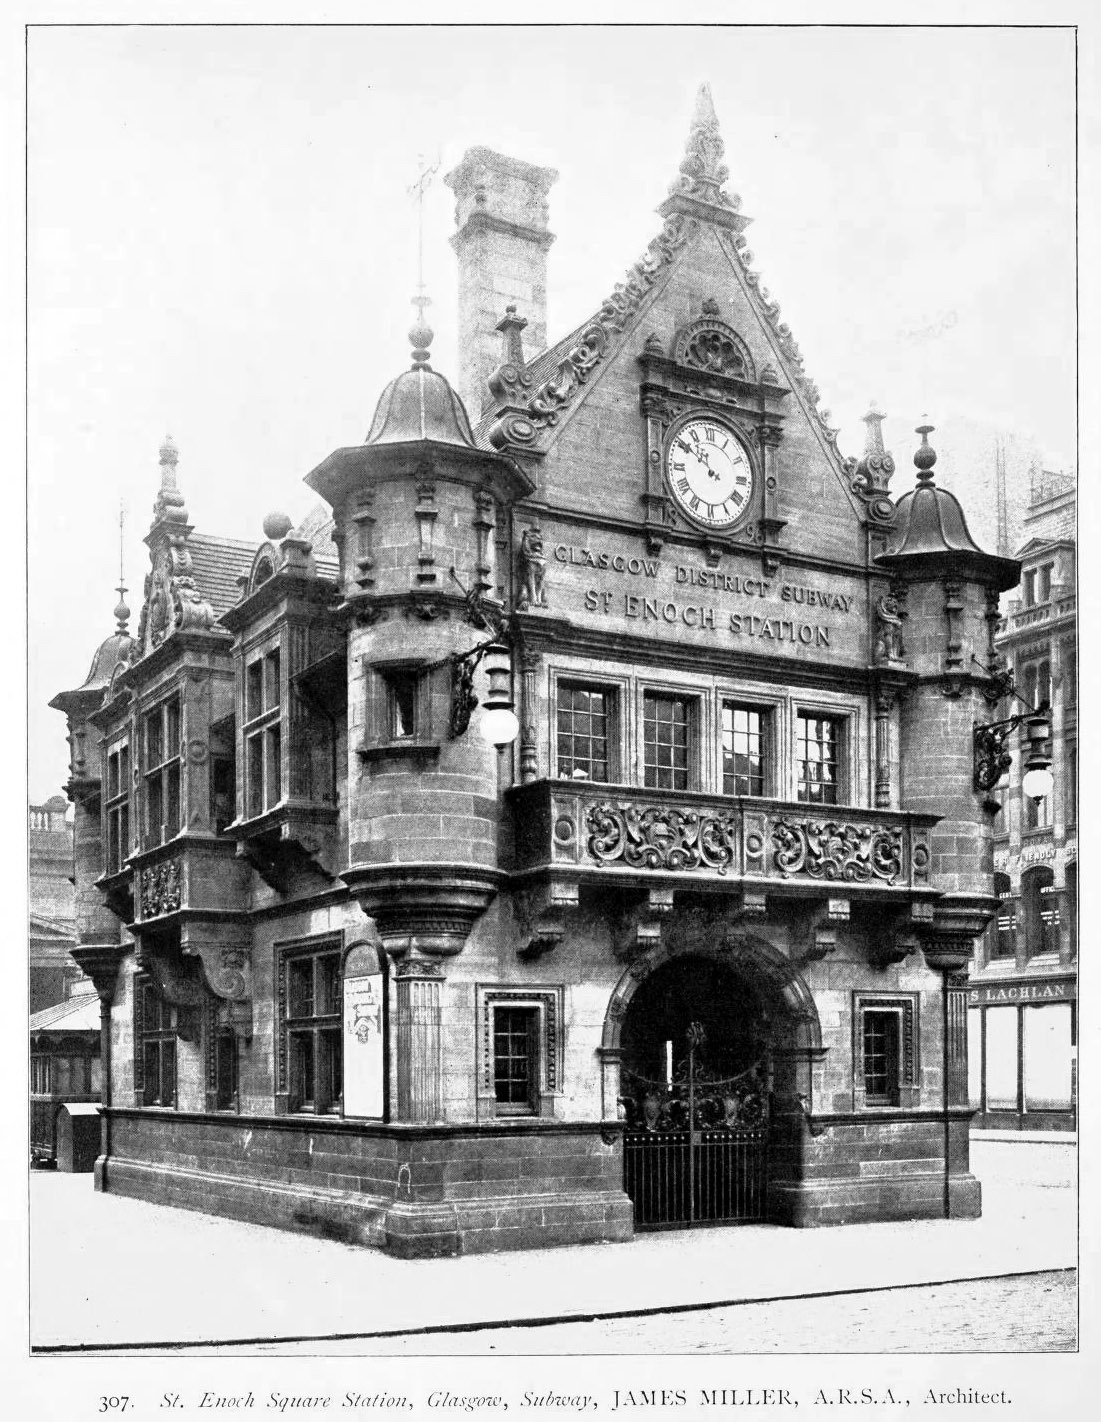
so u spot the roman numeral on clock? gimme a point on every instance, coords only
(683, 485)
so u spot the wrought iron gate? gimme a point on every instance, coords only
(695, 1145)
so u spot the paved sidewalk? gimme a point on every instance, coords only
(93, 1257)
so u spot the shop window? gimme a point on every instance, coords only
(521, 1048)
(1039, 910)
(310, 1071)
(818, 750)
(263, 734)
(161, 773)
(667, 732)
(1001, 1059)
(884, 1049)
(974, 1058)
(155, 1033)
(117, 809)
(1047, 1052)
(585, 729)
(745, 732)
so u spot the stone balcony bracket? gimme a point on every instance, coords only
(423, 908)
(542, 912)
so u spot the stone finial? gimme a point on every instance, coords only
(421, 334)
(873, 422)
(926, 455)
(122, 612)
(512, 345)
(702, 171)
(276, 526)
(169, 502)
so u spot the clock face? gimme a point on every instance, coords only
(709, 473)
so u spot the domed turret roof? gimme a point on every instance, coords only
(930, 532)
(420, 404)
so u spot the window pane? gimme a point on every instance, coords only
(582, 732)
(514, 1055)
(817, 752)
(168, 1072)
(254, 774)
(330, 1074)
(974, 1058)
(151, 1063)
(226, 1068)
(254, 690)
(881, 1053)
(154, 743)
(272, 686)
(328, 985)
(300, 987)
(743, 751)
(273, 768)
(154, 809)
(302, 1071)
(1001, 1059)
(1047, 1057)
(665, 741)
(172, 732)
(172, 800)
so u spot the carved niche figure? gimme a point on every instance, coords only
(533, 570)
(888, 630)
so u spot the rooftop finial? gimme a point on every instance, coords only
(122, 612)
(421, 334)
(926, 455)
(169, 502)
(873, 421)
(702, 171)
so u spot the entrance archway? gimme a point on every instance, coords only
(706, 1035)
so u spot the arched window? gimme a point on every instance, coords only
(1039, 911)
(1001, 934)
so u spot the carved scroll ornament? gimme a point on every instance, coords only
(661, 838)
(826, 849)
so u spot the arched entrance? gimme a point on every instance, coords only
(705, 1036)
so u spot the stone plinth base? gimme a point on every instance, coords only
(416, 1192)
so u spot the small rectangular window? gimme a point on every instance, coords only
(155, 1031)
(881, 1057)
(818, 752)
(583, 732)
(402, 687)
(254, 690)
(312, 1022)
(666, 727)
(226, 1067)
(162, 777)
(745, 749)
(1043, 587)
(515, 1059)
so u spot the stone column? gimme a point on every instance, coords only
(418, 1044)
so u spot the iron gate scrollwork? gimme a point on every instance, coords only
(695, 1145)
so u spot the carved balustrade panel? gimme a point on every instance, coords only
(559, 824)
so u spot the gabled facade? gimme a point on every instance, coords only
(691, 948)
(1023, 992)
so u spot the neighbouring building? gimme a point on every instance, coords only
(1022, 992)
(571, 829)
(65, 1064)
(50, 896)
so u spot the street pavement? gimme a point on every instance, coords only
(93, 1257)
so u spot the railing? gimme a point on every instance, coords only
(619, 829)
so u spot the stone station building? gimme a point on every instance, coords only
(681, 941)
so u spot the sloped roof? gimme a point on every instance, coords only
(75, 1014)
(217, 564)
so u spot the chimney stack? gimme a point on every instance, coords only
(501, 242)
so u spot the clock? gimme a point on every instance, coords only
(709, 472)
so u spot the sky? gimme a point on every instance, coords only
(222, 246)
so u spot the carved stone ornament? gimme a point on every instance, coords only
(533, 570)
(160, 888)
(660, 837)
(826, 849)
(529, 408)
(711, 345)
(702, 170)
(888, 631)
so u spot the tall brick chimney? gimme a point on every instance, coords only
(501, 242)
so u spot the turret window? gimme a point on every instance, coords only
(117, 808)
(161, 773)
(263, 734)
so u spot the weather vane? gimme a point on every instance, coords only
(417, 192)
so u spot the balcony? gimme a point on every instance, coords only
(621, 834)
